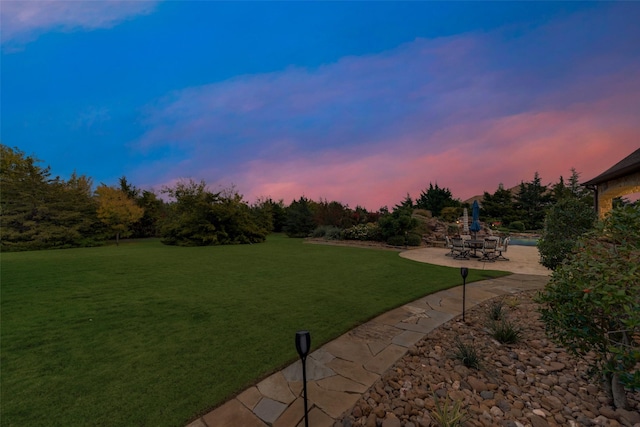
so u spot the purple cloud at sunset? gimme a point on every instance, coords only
(468, 112)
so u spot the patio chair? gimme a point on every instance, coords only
(449, 246)
(489, 250)
(496, 238)
(501, 249)
(459, 250)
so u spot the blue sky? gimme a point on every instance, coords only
(361, 102)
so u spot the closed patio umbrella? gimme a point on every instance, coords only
(465, 222)
(475, 218)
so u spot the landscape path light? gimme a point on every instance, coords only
(303, 345)
(464, 272)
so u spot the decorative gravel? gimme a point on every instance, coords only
(531, 383)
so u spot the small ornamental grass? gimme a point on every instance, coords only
(467, 354)
(448, 413)
(505, 331)
(496, 310)
(512, 302)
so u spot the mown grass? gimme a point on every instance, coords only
(149, 335)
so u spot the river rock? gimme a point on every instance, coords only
(531, 383)
(391, 422)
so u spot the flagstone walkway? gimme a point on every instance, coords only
(339, 372)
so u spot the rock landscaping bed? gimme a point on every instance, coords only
(530, 383)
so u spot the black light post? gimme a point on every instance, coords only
(464, 272)
(303, 345)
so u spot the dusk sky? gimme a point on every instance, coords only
(359, 102)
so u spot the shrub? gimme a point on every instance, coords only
(319, 232)
(467, 354)
(329, 232)
(362, 232)
(517, 226)
(505, 331)
(399, 222)
(414, 239)
(396, 241)
(591, 304)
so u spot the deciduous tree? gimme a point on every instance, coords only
(117, 211)
(198, 217)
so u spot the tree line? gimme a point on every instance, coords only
(42, 211)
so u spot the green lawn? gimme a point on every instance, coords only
(150, 335)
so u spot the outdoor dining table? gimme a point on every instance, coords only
(474, 244)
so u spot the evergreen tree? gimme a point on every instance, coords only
(559, 190)
(74, 210)
(128, 189)
(154, 210)
(24, 184)
(277, 211)
(153, 206)
(565, 222)
(435, 199)
(569, 218)
(579, 191)
(41, 212)
(571, 189)
(262, 212)
(499, 205)
(300, 221)
(532, 201)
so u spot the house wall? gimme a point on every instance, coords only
(616, 188)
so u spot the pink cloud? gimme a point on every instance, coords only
(509, 151)
(468, 112)
(23, 21)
